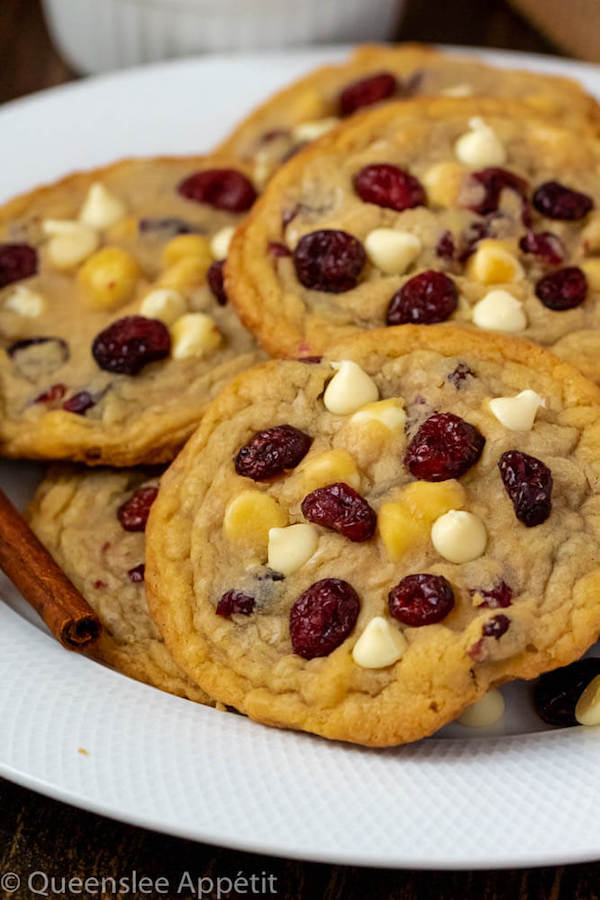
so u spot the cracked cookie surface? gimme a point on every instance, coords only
(114, 328)
(471, 212)
(361, 548)
(376, 74)
(76, 514)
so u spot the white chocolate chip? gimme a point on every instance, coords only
(457, 90)
(387, 412)
(219, 244)
(349, 389)
(493, 264)
(480, 146)
(25, 302)
(587, 711)
(499, 311)
(291, 547)
(517, 413)
(392, 251)
(310, 131)
(380, 645)
(70, 242)
(194, 334)
(459, 536)
(101, 209)
(164, 304)
(484, 712)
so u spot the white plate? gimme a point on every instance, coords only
(518, 796)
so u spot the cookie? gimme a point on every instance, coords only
(361, 549)
(375, 74)
(93, 523)
(115, 330)
(470, 211)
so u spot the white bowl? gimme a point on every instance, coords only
(99, 35)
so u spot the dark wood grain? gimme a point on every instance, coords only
(38, 834)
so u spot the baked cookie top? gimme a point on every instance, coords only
(115, 330)
(376, 74)
(434, 210)
(93, 524)
(362, 548)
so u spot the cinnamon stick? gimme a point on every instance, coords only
(44, 585)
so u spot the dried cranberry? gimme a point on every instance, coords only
(271, 452)
(99, 584)
(165, 227)
(555, 201)
(133, 513)
(341, 508)
(323, 617)
(225, 189)
(528, 483)
(470, 237)
(54, 393)
(216, 282)
(79, 403)
(427, 298)
(544, 244)
(445, 247)
(17, 261)
(556, 693)
(390, 187)
(460, 374)
(131, 343)
(137, 574)
(329, 260)
(498, 597)
(494, 181)
(421, 600)
(445, 446)
(366, 92)
(279, 249)
(235, 603)
(564, 289)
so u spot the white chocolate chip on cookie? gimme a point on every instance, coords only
(587, 711)
(70, 242)
(499, 311)
(310, 131)
(219, 244)
(291, 547)
(517, 413)
(389, 413)
(25, 302)
(484, 712)
(101, 209)
(480, 146)
(250, 516)
(493, 264)
(330, 467)
(459, 536)
(164, 304)
(380, 645)
(392, 251)
(194, 334)
(349, 389)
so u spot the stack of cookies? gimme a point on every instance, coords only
(400, 510)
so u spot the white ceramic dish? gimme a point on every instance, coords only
(520, 795)
(101, 35)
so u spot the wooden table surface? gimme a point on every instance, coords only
(37, 834)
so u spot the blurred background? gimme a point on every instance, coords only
(48, 42)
